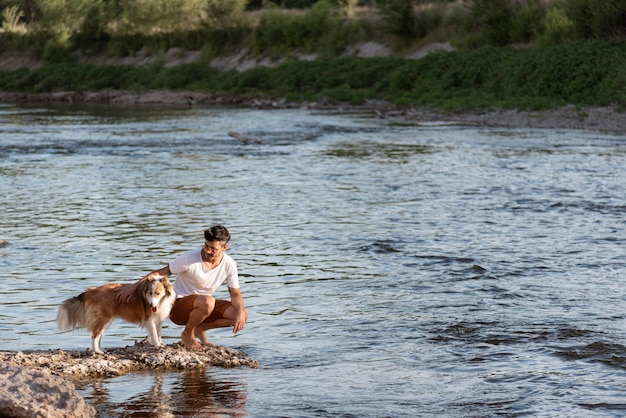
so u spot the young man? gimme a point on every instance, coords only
(199, 273)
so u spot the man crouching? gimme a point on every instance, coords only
(199, 273)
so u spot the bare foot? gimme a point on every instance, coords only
(203, 339)
(190, 342)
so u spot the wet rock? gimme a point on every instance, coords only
(39, 383)
(245, 139)
(33, 393)
(478, 269)
(119, 361)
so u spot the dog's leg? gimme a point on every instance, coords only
(159, 327)
(96, 334)
(153, 334)
(95, 342)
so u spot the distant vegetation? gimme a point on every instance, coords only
(510, 53)
(585, 73)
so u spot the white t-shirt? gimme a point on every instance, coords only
(194, 278)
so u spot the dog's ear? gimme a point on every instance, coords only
(155, 276)
(167, 285)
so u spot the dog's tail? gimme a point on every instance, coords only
(72, 313)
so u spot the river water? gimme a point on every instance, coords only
(390, 270)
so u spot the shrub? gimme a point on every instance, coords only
(429, 19)
(348, 7)
(64, 16)
(557, 28)
(160, 16)
(493, 18)
(12, 20)
(58, 49)
(398, 16)
(601, 19)
(319, 30)
(223, 13)
(527, 21)
(93, 27)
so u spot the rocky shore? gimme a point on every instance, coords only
(40, 383)
(601, 119)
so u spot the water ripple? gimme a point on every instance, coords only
(401, 271)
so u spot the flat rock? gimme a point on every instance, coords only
(120, 361)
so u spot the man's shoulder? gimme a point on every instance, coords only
(190, 256)
(229, 260)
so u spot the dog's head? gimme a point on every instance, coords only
(157, 290)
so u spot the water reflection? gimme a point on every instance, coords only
(155, 394)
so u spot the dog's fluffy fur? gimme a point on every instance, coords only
(96, 308)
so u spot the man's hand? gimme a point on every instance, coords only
(241, 314)
(126, 293)
(239, 320)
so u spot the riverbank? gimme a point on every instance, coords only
(595, 118)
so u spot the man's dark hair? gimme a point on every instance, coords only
(217, 233)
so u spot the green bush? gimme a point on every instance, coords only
(185, 77)
(159, 16)
(557, 28)
(399, 17)
(600, 19)
(63, 16)
(527, 21)
(55, 77)
(493, 18)
(319, 30)
(402, 18)
(58, 49)
(222, 14)
(94, 25)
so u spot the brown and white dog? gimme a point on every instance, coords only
(96, 308)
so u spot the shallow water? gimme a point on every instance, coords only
(389, 270)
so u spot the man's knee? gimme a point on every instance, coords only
(205, 303)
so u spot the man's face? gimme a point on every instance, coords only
(213, 250)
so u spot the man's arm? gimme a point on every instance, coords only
(241, 314)
(125, 294)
